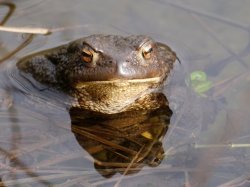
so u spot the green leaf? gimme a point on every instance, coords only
(202, 87)
(198, 76)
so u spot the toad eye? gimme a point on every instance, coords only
(146, 50)
(89, 56)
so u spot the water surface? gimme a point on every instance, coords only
(207, 143)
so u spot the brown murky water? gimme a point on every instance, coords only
(207, 142)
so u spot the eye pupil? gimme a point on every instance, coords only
(147, 53)
(87, 59)
(87, 56)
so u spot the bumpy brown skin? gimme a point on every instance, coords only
(114, 80)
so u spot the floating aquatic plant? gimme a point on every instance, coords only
(199, 82)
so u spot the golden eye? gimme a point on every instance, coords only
(87, 55)
(147, 50)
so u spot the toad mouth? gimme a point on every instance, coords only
(120, 82)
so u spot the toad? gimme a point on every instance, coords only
(107, 74)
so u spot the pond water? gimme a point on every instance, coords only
(207, 140)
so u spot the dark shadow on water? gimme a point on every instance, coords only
(122, 143)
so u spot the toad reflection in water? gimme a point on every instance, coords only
(122, 141)
(119, 113)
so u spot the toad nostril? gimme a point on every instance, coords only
(111, 63)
